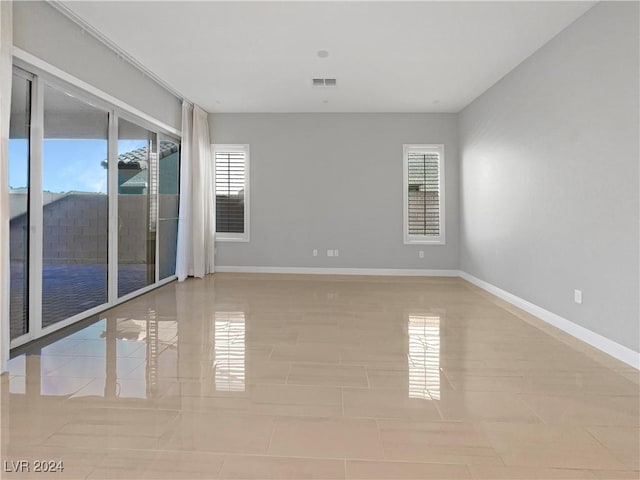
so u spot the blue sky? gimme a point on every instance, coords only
(68, 164)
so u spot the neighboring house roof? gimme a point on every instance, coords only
(137, 159)
(139, 180)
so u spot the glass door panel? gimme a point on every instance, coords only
(75, 206)
(168, 203)
(137, 207)
(19, 132)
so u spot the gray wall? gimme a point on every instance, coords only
(44, 32)
(549, 176)
(330, 181)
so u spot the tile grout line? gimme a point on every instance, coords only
(384, 453)
(219, 472)
(273, 431)
(613, 453)
(286, 379)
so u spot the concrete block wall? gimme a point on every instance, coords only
(75, 230)
(133, 219)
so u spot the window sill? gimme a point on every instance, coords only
(439, 241)
(232, 239)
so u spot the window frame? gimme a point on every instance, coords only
(412, 239)
(235, 147)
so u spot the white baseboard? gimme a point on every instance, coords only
(408, 272)
(620, 352)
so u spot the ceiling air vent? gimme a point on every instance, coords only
(324, 82)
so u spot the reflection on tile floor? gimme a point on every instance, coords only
(265, 376)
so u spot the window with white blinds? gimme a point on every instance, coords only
(424, 194)
(232, 191)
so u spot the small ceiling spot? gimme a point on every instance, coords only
(218, 102)
(323, 53)
(436, 102)
(325, 101)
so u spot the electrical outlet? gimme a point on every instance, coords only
(336, 253)
(421, 254)
(315, 252)
(329, 253)
(577, 296)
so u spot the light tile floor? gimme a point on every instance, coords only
(274, 376)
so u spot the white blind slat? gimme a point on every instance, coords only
(423, 193)
(230, 186)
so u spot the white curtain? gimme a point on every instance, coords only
(6, 40)
(196, 227)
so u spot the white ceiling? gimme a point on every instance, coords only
(386, 56)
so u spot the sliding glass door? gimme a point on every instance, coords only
(168, 203)
(74, 206)
(94, 198)
(137, 207)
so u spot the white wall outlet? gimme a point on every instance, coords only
(336, 253)
(577, 296)
(329, 253)
(421, 254)
(315, 252)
